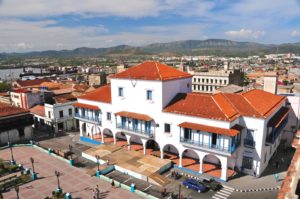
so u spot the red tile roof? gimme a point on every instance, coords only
(278, 118)
(225, 106)
(217, 130)
(34, 82)
(134, 115)
(87, 106)
(102, 94)
(151, 70)
(38, 110)
(9, 110)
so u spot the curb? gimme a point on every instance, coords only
(257, 190)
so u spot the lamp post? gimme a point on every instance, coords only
(57, 173)
(33, 175)
(17, 191)
(13, 162)
(98, 170)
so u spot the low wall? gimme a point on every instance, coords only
(89, 140)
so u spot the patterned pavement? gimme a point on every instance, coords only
(73, 179)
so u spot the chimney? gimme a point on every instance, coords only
(270, 83)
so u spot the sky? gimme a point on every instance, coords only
(37, 25)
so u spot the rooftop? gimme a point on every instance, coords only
(9, 110)
(102, 94)
(38, 110)
(225, 106)
(151, 70)
(35, 82)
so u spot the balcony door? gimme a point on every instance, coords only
(214, 138)
(135, 124)
(147, 126)
(123, 122)
(187, 134)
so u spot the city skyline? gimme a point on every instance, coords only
(57, 25)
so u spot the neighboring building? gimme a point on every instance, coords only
(231, 88)
(56, 117)
(210, 81)
(29, 83)
(97, 79)
(15, 124)
(153, 102)
(270, 83)
(25, 98)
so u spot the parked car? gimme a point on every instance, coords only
(211, 184)
(194, 184)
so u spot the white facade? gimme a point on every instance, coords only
(230, 151)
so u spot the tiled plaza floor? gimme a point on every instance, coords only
(73, 179)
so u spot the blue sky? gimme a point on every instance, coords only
(67, 24)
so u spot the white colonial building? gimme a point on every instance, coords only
(152, 101)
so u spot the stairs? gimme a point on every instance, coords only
(158, 179)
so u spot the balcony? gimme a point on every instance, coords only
(94, 120)
(249, 143)
(135, 131)
(272, 137)
(210, 147)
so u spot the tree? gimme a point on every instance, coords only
(4, 87)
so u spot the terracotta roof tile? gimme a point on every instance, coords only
(217, 130)
(152, 70)
(102, 94)
(38, 110)
(263, 102)
(34, 82)
(134, 115)
(225, 106)
(87, 106)
(9, 110)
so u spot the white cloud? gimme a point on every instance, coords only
(295, 33)
(245, 33)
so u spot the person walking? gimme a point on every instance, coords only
(112, 183)
(94, 194)
(97, 192)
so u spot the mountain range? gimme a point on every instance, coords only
(219, 47)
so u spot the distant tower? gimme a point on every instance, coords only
(226, 65)
(270, 83)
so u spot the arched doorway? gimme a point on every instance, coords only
(121, 139)
(212, 165)
(108, 136)
(136, 143)
(96, 132)
(172, 153)
(190, 160)
(152, 148)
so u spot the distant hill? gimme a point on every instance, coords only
(219, 47)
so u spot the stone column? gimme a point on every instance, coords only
(128, 141)
(161, 153)
(180, 160)
(144, 145)
(224, 169)
(201, 165)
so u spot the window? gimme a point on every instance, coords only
(70, 112)
(220, 81)
(61, 114)
(76, 110)
(167, 128)
(265, 157)
(21, 132)
(49, 114)
(121, 92)
(225, 81)
(149, 94)
(249, 140)
(108, 116)
(247, 162)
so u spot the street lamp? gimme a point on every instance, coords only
(57, 173)
(98, 170)
(12, 155)
(17, 191)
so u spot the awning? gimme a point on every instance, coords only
(278, 118)
(87, 106)
(134, 115)
(228, 132)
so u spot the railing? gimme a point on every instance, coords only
(249, 142)
(209, 146)
(148, 132)
(96, 120)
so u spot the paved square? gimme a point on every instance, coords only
(73, 179)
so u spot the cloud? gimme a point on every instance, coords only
(245, 33)
(295, 33)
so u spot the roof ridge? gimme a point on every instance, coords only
(158, 70)
(242, 94)
(238, 113)
(212, 96)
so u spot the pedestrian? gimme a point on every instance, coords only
(107, 162)
(112, 183)
(190, 197)
(97, 192)
(277, 164)
(94, 194)
(276, 176)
